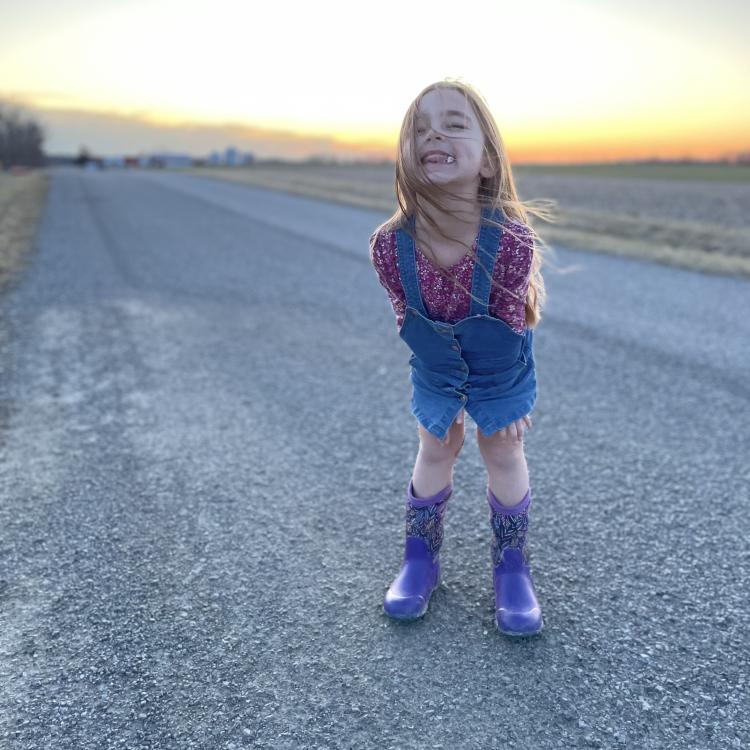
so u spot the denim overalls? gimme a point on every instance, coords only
(479, 363)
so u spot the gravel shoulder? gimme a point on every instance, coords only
(22, 199)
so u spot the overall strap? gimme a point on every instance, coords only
(407, 268)
(484, 266)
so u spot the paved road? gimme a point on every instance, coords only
(205, 444)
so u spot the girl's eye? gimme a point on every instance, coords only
(452, 125)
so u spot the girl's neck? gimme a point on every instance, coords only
(460, 222)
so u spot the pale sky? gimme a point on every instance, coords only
(581, 80)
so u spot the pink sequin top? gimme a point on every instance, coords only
(444, 300)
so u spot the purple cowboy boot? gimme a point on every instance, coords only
(409, 594)
(517, 610)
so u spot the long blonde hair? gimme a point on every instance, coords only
(497, 191)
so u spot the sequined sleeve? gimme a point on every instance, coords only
(384, 259)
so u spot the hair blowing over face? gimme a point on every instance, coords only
(498, 191)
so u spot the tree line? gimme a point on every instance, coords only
(21, 139)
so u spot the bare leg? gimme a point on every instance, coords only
(505, 461)
(433, 469)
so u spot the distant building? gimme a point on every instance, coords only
(230, 157)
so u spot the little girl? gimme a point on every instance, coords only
(459, 264)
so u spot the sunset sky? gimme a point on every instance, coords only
(589, 80)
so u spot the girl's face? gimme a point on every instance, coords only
(446, 123)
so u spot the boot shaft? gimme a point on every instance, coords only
(424, 517)
(509, 527)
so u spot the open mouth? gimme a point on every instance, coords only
(438, 159)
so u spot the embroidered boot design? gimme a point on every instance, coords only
(509, 531)
(426, 523)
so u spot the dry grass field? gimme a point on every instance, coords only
(21, 201)
(690, 217)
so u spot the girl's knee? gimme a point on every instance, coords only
(434, 450)
(501, 447)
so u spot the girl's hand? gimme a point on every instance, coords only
(515, 429)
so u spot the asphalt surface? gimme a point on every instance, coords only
(206, 440)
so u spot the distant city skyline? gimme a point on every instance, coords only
(567, 82)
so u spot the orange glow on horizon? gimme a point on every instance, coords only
(603, 140)
(598, 147)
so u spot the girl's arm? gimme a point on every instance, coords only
(384, 259)
(517, 260)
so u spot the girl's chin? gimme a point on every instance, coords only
(441, 177)
(440, 171)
